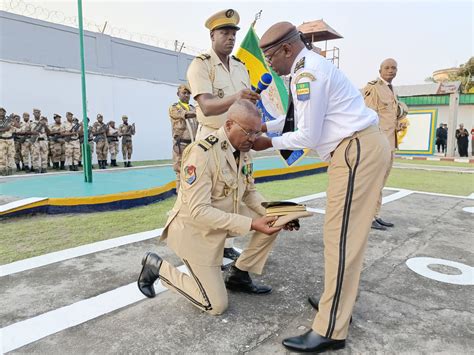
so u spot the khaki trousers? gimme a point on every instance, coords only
(387, 174)
(204, 286)
(356, 173)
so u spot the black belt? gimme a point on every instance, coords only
(41, 139)
(90, 140)
(6, 137)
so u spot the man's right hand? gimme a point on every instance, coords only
(262, 143)
(248, 94)
(263, 225)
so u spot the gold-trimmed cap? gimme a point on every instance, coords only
(222, 19)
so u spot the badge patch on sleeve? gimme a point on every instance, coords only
(302, 91)
(190, 174)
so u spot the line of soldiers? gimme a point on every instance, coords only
(33, 146)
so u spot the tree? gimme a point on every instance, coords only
(465, 76)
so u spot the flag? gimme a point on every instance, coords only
(274, 102)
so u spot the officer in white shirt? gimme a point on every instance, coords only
(328, 114)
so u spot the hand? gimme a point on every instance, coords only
(263, 225)
(262, 143)
(248, 94)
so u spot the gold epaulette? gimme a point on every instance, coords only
(204, 56)
(208, 142)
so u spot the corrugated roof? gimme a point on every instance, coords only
(318, 30)
(427, 89)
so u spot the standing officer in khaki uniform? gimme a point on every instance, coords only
(7, 145)
(126, 131)
(328, 115)
(113, 142)
(379, 96)
(217, 80)
(217, 200)
(183, 126)
(99, 130)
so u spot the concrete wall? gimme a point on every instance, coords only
(40, 67)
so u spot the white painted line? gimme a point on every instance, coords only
(20, 203)
(420, 265)
(469, 197)
(308, 197)
(66, 254)
(468, 209)
(316, 210)
(396, 196)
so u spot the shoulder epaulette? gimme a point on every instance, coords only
(237, 59)
(373, 82)
(300, 64)
(204, 56)
(208, 142)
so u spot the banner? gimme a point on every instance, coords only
(274, 102)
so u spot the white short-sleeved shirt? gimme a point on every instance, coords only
(328, 108)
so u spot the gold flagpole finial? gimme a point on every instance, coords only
(257, 16)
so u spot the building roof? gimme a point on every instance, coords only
(427, 89)
(318, 30)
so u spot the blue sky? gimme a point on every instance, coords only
(422, 36)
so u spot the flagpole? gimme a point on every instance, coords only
(257, 17)
(86, 150)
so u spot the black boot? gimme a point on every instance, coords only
(149, 274)
(125, 164)
(42, 171)
(104, 163)
(24, 168)
(113, 162)
(37, 171)
(240, 281)
(70, 168)
(129, 164)
(18, 167)
(79, 164)
(62, 166)
(312, 342)
(29, 169)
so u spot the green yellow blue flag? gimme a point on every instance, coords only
(274, 102)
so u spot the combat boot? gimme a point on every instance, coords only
(37, 171)
(24, 167)
(32, 170)
(129, 164)
(74, 168)
(56, 166)
(113, 162)
(18, 167)
(125, 164)
(79, 164)
(43, 170)
(62, 165)
(28, 170)
(71, 168)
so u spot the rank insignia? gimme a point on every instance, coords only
(300, 76)
(299, 65)
(220, 93)
(190, 174)
(302, 91)
(224, 145)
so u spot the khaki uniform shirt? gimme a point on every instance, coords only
(216, 199)
(55, 128)
(67, 127)
(379, 97)
(9, 133)
(127, 131)
(99, 127)
(182, 127)
(112, 134)
(208, 75)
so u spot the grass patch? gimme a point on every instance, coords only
(25, 237)
(434, 162)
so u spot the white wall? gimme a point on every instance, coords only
(26, 86)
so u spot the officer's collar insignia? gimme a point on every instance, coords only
(300, 76)
(224, 145)
(300, 64)
(190, 174)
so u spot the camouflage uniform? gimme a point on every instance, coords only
(184, 133)
(113, 142)
(17, 140)
(7, 147)
(72, 146)
(26, 149)
(100, 131)
(58, 152)
(40, 151)
(126, 131)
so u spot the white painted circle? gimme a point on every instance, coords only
(468, 209)
(420, 266)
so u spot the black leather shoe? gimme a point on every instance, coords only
(312, 342)
(240, 281)
(149, 274)
(314, 302)
(378, 226)
(231, 253)
(383, 223)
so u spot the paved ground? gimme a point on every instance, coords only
(398, 310)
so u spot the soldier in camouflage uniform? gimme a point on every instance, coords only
(40, 142)
(126, 131)
(113, 141)
(90, 140)
(184, 127)
(26, 151)
(7, 145)
(70, 132)
(58, 154)
(17, 141)
(99, 130)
